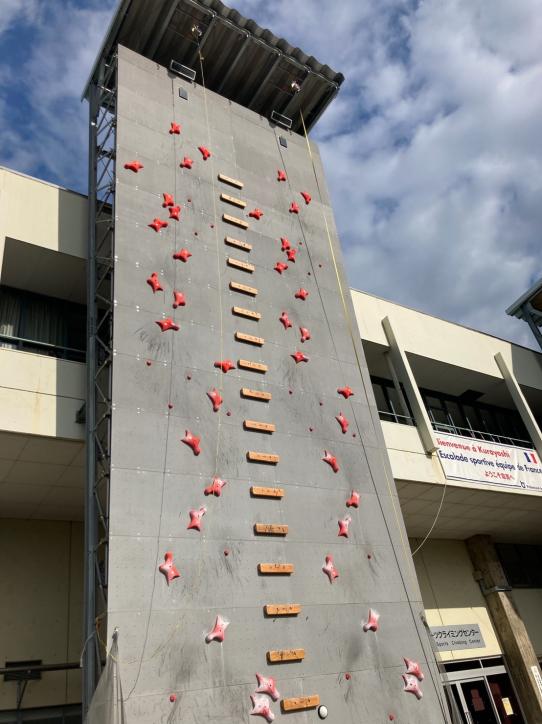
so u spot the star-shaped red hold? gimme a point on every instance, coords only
(178, 300)
(285, 243)
(343, 422)
(307, 197)
(280, 266)
(414, 669)
(301, 294)
(166, 324)
(346, 392)
(134, 166)
(291, 254)
(260, 707)
(299, 357)
(154, 283)
(331, 460)
(285, 320)
(186, 162)
(204, 152)
(215, 488)
(256, 214)
(168, 568)
(192, 441)
(175, 212)
(216, 399)
(168, 200)
(267, 685)
(353, 500)
(412, 685)
(343, 526)
(225, 365)
(294, 208)
(305, 334)
(182, 255)
(158, 224)
(175, 128)
(329, 569)
(218, 631)
(195, 518)
(281, 176)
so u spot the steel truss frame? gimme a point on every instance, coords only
(101, 222)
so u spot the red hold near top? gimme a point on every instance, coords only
(305, 334)
(216, 399)
(168, 568)
(134, 166)
(353, 500)
(186, 162)
(281, 176)
(175, 128)
(256, 214)
(204, 152)
(346, 392)
(168, 200)
(285, 320)
(280, 266)
(154, 283)
(285, 243)
(291, 254)
(192, 441)
(299, 357)
(301, 294)
(215, 488)
(343, 422)
(307, 197)
(225, 365)
(331, 460)
(166, 324)
(158, 224)
(182, 255)
(294, 208)
(175, 212)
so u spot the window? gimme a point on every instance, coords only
(522, 564)
(388, 402)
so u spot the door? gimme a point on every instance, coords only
(478, 703)
(505, 699)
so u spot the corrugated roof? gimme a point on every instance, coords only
(242, 61)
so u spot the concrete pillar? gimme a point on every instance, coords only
(406, 376)
(509, 627)
(520, 402)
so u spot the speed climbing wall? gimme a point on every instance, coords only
(258, 562)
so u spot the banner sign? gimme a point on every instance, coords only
(451, 638)
(464, 458)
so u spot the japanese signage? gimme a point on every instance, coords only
(464, 458)
(453, 638)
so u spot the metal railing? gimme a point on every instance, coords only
(387, 416)
(480, 435)
(21, 344)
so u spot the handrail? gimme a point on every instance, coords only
(39, 667)
(395, 417)
(20, 342)
(479, 435)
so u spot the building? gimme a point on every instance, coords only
(529, 308)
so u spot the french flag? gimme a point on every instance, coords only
(531, 457)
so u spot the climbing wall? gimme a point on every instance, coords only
(258, 562)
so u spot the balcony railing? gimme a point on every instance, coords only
(480, 435)
(45, 348)
(387, 416)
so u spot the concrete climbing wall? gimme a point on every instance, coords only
(281, 409)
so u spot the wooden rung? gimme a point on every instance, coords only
(249, 338)
(237, 243)
(286, 655)
(300, 702)
(256, 394)
(260, 426)
(243, 265)
(246, 364)
(258, 492)
(237, 287)
(260, 457)
(235, 221)
(282, 609)
(231, 181)
(248, 313)
(232, 200)
(276, 568)
(270, 529)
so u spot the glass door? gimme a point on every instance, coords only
(505, 699)
(477, 702)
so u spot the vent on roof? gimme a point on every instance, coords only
(281, 120)
(183, 70)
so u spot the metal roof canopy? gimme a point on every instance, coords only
(529, 308)
(242, 61)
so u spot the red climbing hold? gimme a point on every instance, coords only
(285, 243)
(195, 518)
(173, 697)
(168, 200)
(299, 357)
(167, 324)
(267, 685)
(301, 294)
(218, 631)
(347, 677)
(192, 441)
(260, 707)
(178, 300)
(134, 166)
(182, 255)
(306, 196)
(256, 214)
(305, 334)
(346, 392)
(153, 282)
(343, 526)
(225, 365)
(343, 422)
(294, 208)
(412, 686)
(413, 668)
(353, 500)
(186, 162)
(175, 212)
(168, 568)
(158, 224)
(280, 267)
(285, 321)
(215, 488)
(329, 569)
(175, 128)
(281, 176)
(331, 460)
(204, 152)
(291, 255)
(372, 621)
(216, 399)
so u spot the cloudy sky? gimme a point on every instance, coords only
(432, 149)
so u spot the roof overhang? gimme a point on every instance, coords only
(531, 300)
(242, 61)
